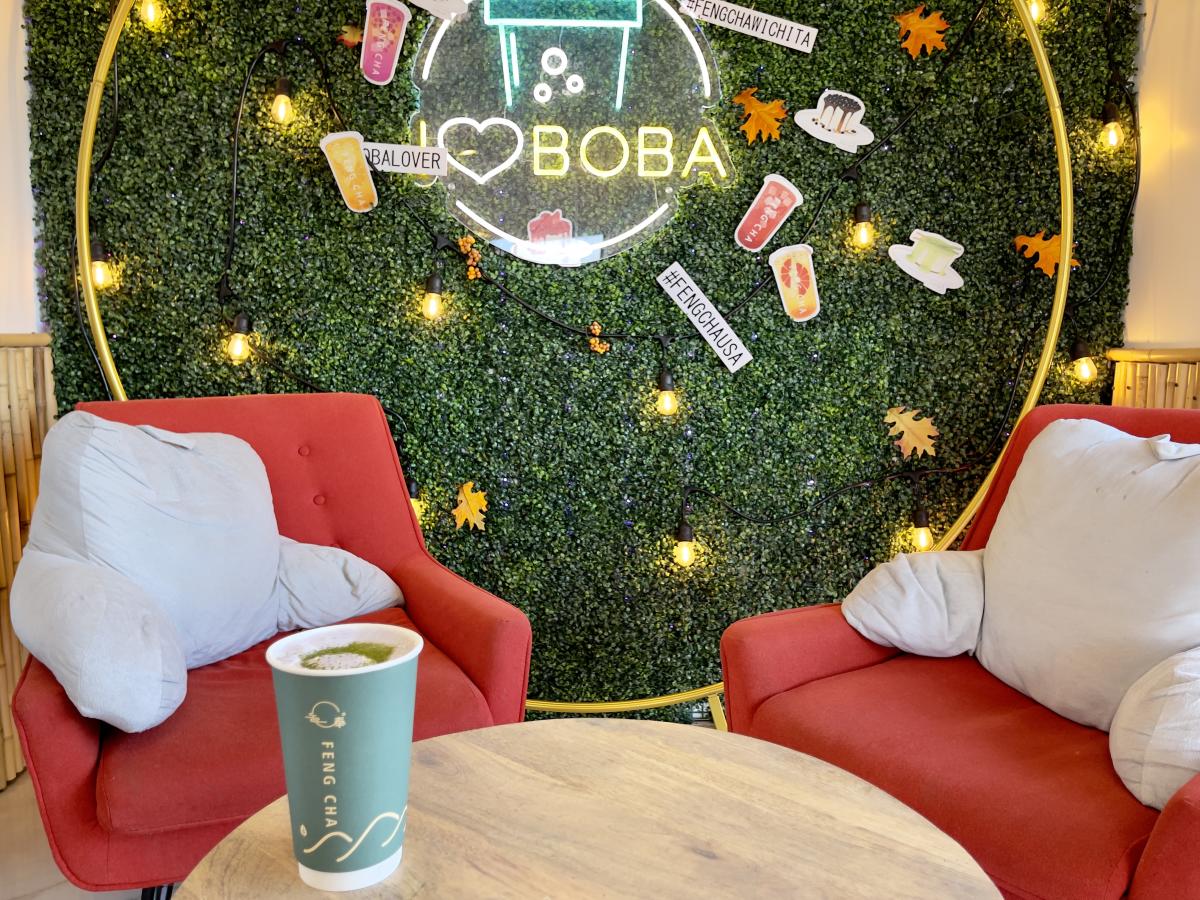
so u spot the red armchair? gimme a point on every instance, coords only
(1032, 796)
(136, 810)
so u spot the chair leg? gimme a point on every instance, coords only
(159, 892)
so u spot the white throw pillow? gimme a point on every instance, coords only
(110, 646)
(1093, 567)
(323, 585)
(930, 604)
(1155, 736)
(188, 518)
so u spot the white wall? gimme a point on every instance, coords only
(1164, 303)
(18, 296)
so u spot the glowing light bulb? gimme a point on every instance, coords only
(667, 402)
(922, 534)
(1082, 365)
(685, 545)
(922, 539)
(863, 230)
(150, 12)
(431, 303)
(102, 275)
(1085, 369)
(1036, 10)
(237, 348)
(281, 106)
(1112, 135)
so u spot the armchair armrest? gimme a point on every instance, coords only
(766, 655)
(489, 639)
(1170, 865)
(62, 752)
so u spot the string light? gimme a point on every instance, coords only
(237, 348)
(685, 544)
(103, 274)
(151, 13)
(1036, 10)
(1112, 135)
(414, 497)
(667, 402)
(863, 230)
(1082, 364)
(431, 304)
(281, 107)
(922, 534)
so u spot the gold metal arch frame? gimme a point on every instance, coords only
(712, 693)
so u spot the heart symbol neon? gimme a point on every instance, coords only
(480, 128)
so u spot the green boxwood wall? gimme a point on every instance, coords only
(583, 479)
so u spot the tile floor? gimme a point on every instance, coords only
(27, 871)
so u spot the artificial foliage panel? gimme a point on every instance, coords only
(583, 479)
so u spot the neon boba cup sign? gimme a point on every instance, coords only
(570, 125)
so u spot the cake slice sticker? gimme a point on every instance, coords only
(344, 150)
(929, 259)
(837, 120)
(776, 200)
(797, 281)
(383, 37)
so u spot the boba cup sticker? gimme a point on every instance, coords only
(383, 36)
(767, 213)
(344, 150)
(797, 282)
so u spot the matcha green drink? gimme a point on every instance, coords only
(345, 697)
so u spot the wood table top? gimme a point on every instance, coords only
(613, 808)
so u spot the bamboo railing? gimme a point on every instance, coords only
(27, 410)
(1156, 379)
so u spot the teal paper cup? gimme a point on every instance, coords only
(347, 746)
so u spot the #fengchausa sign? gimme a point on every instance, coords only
(569, 126)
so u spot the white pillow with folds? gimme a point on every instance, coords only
(111, 647)
(1093, 567)
(188, 518)
(323, 585)
(930, 604)
(1155, 735)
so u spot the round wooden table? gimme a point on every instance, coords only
(608, 808)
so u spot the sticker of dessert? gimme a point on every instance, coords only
(837, 120)
(929, 259)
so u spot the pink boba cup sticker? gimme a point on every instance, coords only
(766, 215)
(383, 36)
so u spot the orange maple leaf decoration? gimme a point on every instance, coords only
(350, 36)
(466, 246)
(920, 33)
(762, 119)
(1046, 249)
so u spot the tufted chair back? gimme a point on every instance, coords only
(335, 477)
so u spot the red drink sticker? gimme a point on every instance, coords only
(383, 36)
(766, 215)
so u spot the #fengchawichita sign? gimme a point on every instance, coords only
(570, 125)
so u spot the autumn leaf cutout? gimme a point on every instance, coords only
(762, 119)
(1046, 249)
(472, 504)
(350, 36)
(916, 434)
(922, 33)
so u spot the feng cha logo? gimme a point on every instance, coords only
(570, 126)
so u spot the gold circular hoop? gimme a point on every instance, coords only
(712, 693)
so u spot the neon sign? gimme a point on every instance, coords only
(569, 126)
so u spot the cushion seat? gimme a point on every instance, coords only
(1032, 796)
(220, 753)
